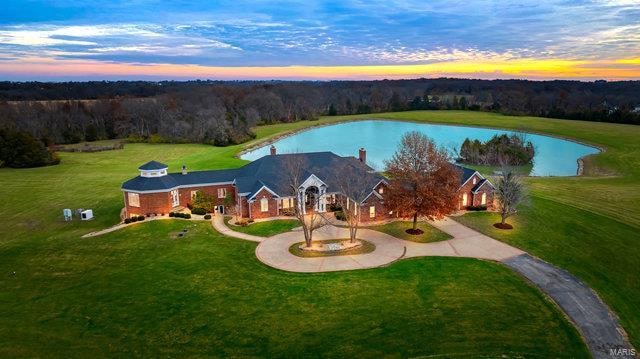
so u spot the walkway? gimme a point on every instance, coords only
(218, 224)
(593, 319)
(274, 251)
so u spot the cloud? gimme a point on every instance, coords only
(346, 33)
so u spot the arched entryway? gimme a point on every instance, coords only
(311, 196)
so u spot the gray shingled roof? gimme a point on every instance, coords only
(152, 165)
(271, 171)
(466, 173)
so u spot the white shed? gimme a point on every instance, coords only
(86, 215)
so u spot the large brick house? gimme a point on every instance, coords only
(262, 188)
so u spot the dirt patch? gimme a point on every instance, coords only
(503, 226)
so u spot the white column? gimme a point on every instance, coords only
(301, 206)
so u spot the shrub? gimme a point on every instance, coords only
(140, 218)
(171, 214)
(200, 211)
(133, 219)
(250, 220)
(127, 220)
(287, 212)
(186, 215)
(207, 216)
(340, 215)
(476, 208)
(242, 223)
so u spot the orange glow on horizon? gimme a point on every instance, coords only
(622, 69)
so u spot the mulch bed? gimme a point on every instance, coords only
(503, 226)
(415, 232)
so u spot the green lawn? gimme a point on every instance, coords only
(140, 292)
(398, 230)
(65, 286)
(266, 228)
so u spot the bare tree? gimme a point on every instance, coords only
(422, 181)
(354, 187)
(295, 165)
(510, 193)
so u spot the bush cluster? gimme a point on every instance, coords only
(476, 208)
(207, 216)
(180, 215)
(19, 149)
(200, 211)
(340, 215)
(133, 219)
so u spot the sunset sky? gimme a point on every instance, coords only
(353, 39)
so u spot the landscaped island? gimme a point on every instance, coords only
(500, 150)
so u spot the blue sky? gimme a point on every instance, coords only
(213, 34)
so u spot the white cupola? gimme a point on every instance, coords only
(153, 169)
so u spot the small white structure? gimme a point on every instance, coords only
(86, 215)
(68, 215)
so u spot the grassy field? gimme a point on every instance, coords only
(64, 287)
(140, 292)
(398, 230)
(266, 228)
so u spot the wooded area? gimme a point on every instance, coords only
(223, 113)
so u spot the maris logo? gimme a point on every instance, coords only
(622, 352)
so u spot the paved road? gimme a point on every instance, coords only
(595, 321)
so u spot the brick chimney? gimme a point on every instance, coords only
(184, 169)
(362, 155)
(273, 150)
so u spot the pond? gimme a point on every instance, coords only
(553, 156)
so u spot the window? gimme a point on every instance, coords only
(464, 199)
(222, 192)
(372, 212)
(381, 190)
(193, 194)
(484, 199)
(175, 198)
(286, 203)
(264, 205)
(134, 199)
(475, 180)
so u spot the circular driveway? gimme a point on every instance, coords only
(274, 251)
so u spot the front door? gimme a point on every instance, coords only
(221, 209)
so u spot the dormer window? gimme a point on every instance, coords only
(475, 180)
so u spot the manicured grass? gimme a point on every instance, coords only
(366, 247)
(138, 292)
(266, 228)
(588, 225)
(601, 251)
(398, 230)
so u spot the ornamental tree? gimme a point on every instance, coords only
(422, 180)
(510, 193)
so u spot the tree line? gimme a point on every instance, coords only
(223, 113)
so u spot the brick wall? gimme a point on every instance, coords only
(256, 212)
(475, 199)
(149, 203)
(185, 195)
(382, 213)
